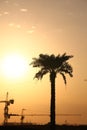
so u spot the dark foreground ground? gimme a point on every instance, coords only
(45, 127)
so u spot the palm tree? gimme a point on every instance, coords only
(52, 64)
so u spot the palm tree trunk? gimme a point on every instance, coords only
(52, 105)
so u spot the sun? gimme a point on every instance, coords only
(14, 66)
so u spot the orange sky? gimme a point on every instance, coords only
(31, 27)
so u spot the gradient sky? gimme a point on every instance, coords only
(31, 27)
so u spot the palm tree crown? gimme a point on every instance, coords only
(52, 63)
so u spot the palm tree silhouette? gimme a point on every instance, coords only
(52, 64)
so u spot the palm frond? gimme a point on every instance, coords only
(40, 74)
(67, 68)
(65, 57)
(64, 77)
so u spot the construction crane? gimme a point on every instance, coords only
(22, 115)
(6, 109)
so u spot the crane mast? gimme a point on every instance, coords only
(22, 116)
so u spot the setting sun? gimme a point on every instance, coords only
(14, 66)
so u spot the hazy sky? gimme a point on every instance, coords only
(31, 27)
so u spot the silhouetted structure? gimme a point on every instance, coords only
(6, 109)
(22, 115)
(52, 64)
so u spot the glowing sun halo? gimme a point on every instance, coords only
(14, 66)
